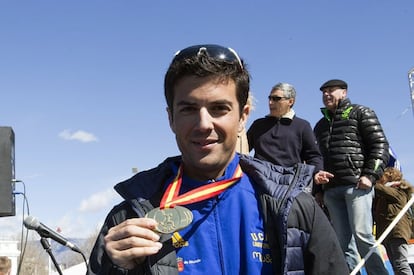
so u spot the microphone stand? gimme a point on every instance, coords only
(46, 246)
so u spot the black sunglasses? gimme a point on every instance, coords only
(214, 51)
(276, 98)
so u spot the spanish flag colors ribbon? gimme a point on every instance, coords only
(171, 196)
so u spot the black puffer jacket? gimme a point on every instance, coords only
(352, 143)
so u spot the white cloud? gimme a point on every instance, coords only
(98, 201)
(78, 135)
(10, 227)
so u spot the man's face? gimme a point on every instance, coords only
(279, 105)
(206, 121)
(331, 96)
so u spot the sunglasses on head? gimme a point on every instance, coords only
(276, 98)
(213, 51)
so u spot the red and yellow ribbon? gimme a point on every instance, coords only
(171, 196)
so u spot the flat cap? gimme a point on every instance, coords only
(334, 83)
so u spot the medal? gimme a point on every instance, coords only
(172, 217)
(170, 220)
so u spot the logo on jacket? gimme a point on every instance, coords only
(346, 112)
(259, 240)
(180, 264)
(261, 248)
(178, 241)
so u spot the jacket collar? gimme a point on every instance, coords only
(343, 104)
(267, 177)
(144, 184)
(288, 116)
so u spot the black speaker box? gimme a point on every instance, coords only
(7, 202)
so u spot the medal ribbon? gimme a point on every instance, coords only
(171, 196)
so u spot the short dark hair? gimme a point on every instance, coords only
(201, 64)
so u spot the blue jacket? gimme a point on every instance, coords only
(300, 238)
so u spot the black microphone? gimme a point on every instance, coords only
(46, 232)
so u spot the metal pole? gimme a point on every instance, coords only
(411, 82)
(384, 235)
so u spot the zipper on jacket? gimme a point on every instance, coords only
(281, 209)
(219, 237)
(291, 185)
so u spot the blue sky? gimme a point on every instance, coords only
(81, 83)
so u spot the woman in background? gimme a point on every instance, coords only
(392, 192)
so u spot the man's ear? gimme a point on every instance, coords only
(291, 102)
(344, 93)
(243, 118)
(170, 119)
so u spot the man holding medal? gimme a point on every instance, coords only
(211, 210)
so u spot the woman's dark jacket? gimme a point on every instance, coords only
(303, 241)
(389, 201)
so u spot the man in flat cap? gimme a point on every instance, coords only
(355, 150)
